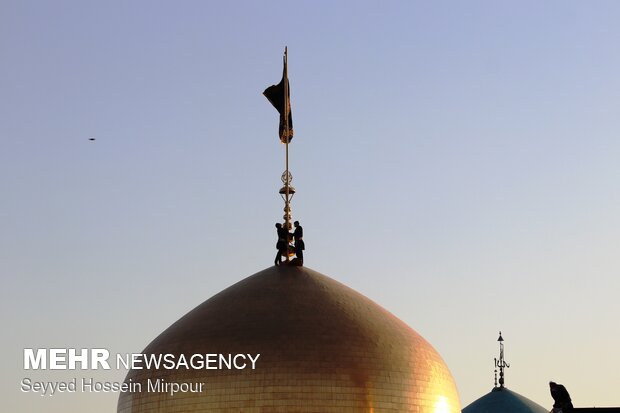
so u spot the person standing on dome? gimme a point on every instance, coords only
(562, 402)
(282, 243)
(298, 234)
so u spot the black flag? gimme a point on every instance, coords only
(280, 97)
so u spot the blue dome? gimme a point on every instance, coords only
(502, 400)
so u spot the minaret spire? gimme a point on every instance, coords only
(500, 363)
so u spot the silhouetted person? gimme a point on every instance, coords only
(298, 234)
(282, 243)
(561, 398)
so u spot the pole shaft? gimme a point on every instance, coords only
(287, 207)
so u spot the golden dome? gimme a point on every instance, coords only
(323, 348)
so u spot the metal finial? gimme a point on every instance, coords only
(500, 363)
(279, 96)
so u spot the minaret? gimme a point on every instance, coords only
(501, 364)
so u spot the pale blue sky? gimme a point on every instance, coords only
(456, 162)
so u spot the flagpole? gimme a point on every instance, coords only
(287, 206)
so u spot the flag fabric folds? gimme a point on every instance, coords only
(280, 97)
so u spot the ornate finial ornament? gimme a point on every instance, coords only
(279, 96)
(500, 363)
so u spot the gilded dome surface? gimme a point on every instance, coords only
(323, 348)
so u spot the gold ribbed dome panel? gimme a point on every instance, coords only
(323, 348)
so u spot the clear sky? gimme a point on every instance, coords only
(457, 162)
